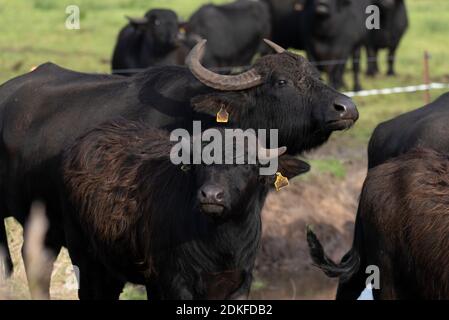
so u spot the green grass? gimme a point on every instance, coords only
(132, 292)
(333, 166)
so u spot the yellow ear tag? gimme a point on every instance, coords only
(281, 181)
(222, 116)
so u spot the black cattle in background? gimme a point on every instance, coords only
(424, 127)
(282, 91)
(394, 23)
(401, 227)
(234, 31)
(290, 22)
(153, 40)
(186, 232)
(337, 33)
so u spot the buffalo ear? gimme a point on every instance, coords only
(232, 102)
(291, 167)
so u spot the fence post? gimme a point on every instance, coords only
(427, 77)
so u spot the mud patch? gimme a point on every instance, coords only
(284, 268)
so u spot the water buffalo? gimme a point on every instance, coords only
(153, 40)
(45, 110)
(186, 232)
(394, 23)
(424, 127)
(338, 33)
(290, 22)
(234, 31)
(401, 227)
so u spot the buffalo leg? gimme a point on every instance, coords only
(243, 292)
(356, 69)
(373, 67)
(336, 76)
(391, 60)
(352, 288)
(153, 291)
(387, 289)
(169, 286)
(96, 283)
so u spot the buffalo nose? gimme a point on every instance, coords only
(346, 109)
(212, 194)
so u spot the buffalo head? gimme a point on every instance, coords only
(281, 91)
(225, 189)
(159, 26)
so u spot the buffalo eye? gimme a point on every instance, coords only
(281, 83)
(157, 23)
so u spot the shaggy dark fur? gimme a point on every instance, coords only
(402, 227)
(134, 216)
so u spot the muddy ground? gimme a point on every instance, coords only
(322, 200)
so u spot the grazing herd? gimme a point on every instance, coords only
(96, 149)
(330, 31)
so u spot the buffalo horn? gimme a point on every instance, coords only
(275, 46)
(243, 81)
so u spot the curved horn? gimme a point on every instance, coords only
(269, 154)
(275, 46)
(243, 81)
(137, 20)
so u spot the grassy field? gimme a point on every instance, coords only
(33, 32)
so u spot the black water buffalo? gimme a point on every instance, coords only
(424, 127)
(186, 232)
(394, 24)
(153, 40)
(234, 31)
(401, 227)
(290, 22)
(337, 33)
(45, 110)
